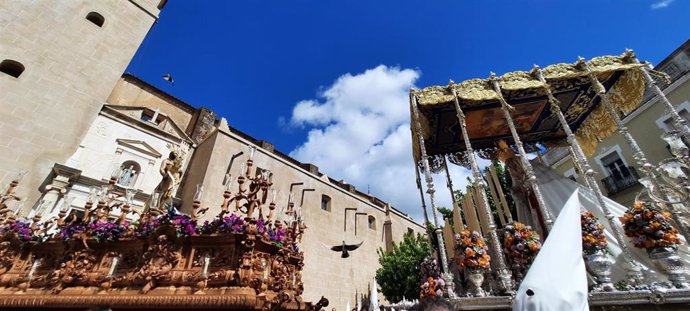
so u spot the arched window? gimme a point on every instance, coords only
(372, 222)
(11, 67)
(129, 172)
(325, 203)
(95, 18)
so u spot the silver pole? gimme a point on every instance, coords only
(504, 276)
(548, 220)
(632, 267)
(432, 200)
(681, 124)
(646, 167)
(421, 196)
(449, 182)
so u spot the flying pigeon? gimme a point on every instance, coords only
(344, 248)
(168, 77)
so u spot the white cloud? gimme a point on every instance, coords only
(359, 131)
(661, 4)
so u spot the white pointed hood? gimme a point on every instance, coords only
(557, 279)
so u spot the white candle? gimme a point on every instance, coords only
(34, 267)
(207, 261)
(251, 152)
(113, 265)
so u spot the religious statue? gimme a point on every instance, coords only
(127, 176)
(171, 170)
(528, 211)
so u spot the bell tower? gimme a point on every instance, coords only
(59, 61)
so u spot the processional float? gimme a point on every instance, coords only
(572, 105)
(247, 257)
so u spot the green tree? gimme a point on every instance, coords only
(447, 213)
(400, 270)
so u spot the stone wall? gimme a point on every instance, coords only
(71, 66)
(325, 273)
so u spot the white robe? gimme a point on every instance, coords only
(556, 190)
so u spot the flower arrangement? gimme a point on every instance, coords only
(103, 231)
(21, 228)
(593, 237)
(72, 229)
(432, 283)
(184, 225)
(649, 227)
(277, 235)
(471, 251)
(520, 244)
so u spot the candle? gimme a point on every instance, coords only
(113, 265)
(199, 192)
(104, 193)
(154, 199)
(274, 194)
(34, 267)
(228, 182)
(129, 195)
(207, 261)
(93, 193)
(263, 265)
(243, 168)
(251, 152)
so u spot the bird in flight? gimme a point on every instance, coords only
(344, 248)
(168, 77)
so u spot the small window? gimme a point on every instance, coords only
(326, 203)
(11, 68)
(151, 116)
(614, 166)
(372, 223)
(410, 231)
(130, 172)
(95, 18)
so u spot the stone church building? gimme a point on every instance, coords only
(73, 120)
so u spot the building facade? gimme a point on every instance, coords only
(617, 170)
(65, 68)
(59, 61)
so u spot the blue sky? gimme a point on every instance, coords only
(278, 70)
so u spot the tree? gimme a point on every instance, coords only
(400, 270)
(447, 213)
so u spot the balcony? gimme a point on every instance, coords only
(616, 184)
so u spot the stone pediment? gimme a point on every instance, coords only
(164, 123)
(140, 146)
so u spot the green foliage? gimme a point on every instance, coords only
(400, 270)
(447, 213)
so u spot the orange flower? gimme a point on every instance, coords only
(470, 253)
(519, 226)
(532, 246)
(666, 214)
(638, 205)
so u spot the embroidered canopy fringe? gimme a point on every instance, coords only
(625, 94)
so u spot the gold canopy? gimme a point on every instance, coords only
(535, 123)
